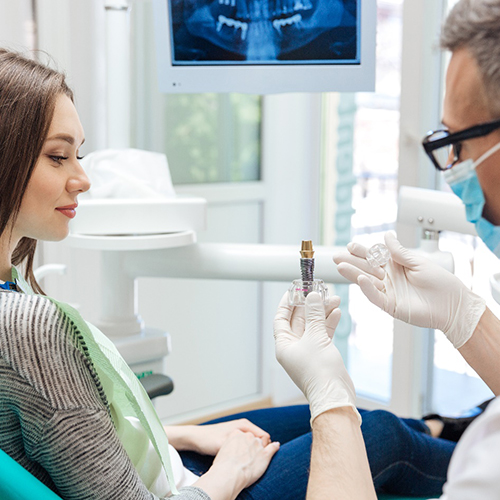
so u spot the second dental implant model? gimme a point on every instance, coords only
(299, 289)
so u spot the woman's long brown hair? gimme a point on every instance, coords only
(28, 93)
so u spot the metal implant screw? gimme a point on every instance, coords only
(300, 289)
(307, 261)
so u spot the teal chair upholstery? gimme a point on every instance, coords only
(16, 483)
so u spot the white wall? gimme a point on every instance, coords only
(73, 33)
(16, 25)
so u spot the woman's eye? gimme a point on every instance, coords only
(80, 158)
(58, 159)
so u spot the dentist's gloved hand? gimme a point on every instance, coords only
(415, 290)
(304, 347)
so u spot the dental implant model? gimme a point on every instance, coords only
(378, 255)
(299, 289)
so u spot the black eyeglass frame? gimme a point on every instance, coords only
(452, 139)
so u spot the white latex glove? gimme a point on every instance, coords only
(415, 290)
(304, 348)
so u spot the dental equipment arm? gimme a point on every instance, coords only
(230, 261)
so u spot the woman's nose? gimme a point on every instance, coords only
(79, 181)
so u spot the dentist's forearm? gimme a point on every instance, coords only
(339, 465)
(482, 350)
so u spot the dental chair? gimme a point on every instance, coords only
(16, 483)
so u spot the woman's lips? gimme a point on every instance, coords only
(69, 211)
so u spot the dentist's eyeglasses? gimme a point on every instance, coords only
(444, 148)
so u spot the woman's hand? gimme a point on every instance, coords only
(208, 439)
(241, 460)
(247, 454)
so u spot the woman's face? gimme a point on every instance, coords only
(50, 199)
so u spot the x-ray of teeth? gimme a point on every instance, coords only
(265, 31)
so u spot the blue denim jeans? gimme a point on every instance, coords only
(404, 458)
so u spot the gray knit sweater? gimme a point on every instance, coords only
(54, 418)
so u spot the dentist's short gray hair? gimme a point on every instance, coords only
(475, 26)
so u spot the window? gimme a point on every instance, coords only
(375, 166)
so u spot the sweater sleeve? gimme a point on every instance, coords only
(85, 459)
(192, 493)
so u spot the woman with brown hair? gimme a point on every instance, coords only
(70, 413)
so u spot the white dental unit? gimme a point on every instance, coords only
(161, 248)
(160, 241)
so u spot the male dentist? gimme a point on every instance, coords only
(415, 290)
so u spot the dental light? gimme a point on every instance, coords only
(433, 211)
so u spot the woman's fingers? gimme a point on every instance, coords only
(246, 426)
(263, 453)
(271, 449)
(248, 454)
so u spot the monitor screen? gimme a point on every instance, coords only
(265, 46)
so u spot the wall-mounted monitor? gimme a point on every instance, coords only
(265, 46)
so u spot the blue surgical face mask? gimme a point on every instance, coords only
(463, 181)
